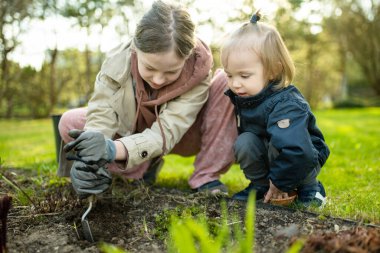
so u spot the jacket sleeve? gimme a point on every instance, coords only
(288, 131)
(100, 115)
(318, 141)
(176, 117)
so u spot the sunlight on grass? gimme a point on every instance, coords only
(351, 175)
(27, 143)
(177, 170)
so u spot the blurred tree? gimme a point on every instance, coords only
(355, 25)
(32, 94)
(43, 10)
(314, 54)
(89, 14)
(13, 15)
(70, 66)
(28, 94)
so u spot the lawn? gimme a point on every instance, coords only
(351, 175)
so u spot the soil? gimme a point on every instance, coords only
(136, 217)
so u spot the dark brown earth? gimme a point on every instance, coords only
(136, 218)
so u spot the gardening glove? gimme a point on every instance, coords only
(89, 179)
(91, 147)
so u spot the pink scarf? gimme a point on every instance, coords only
(195, 70)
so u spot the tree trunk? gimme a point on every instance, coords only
(5, 81)
(89, 83)
(52, 80)
(10, 106)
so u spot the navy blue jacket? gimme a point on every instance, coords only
(285, 120)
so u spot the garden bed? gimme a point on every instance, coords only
(136, 218)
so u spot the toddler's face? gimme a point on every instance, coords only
(245, 73)
(159, 69)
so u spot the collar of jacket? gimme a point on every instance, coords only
(252, 101)
(117, 64)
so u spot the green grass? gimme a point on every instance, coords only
(351, 175)
(27, 144)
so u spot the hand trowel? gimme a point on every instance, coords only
(85, 225)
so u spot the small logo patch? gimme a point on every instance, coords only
(284, 123)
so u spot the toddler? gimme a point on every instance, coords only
(279, 147)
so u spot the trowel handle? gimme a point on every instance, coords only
(91, 198)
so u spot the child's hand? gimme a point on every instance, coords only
(274, 193)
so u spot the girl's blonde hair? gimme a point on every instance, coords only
(164, 27)
(264, 40)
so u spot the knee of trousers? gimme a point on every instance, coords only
(66, 123)
(311, 181)
(249, 146)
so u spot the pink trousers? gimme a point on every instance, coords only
(210, 138)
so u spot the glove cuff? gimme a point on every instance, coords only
(111, 150)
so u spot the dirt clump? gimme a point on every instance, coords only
(355, 240)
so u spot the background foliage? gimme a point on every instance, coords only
(335, 45)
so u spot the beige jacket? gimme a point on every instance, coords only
(112, 110)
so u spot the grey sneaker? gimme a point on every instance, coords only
(214, 187)
(312, 195)
(243, 195)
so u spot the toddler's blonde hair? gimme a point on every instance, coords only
(264, 40)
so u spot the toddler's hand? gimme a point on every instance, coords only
(274, 193)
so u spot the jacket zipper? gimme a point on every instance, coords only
(237, 113)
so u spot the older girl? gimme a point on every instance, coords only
(153, 96)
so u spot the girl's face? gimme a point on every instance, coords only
(245, 73)
(159, 69)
